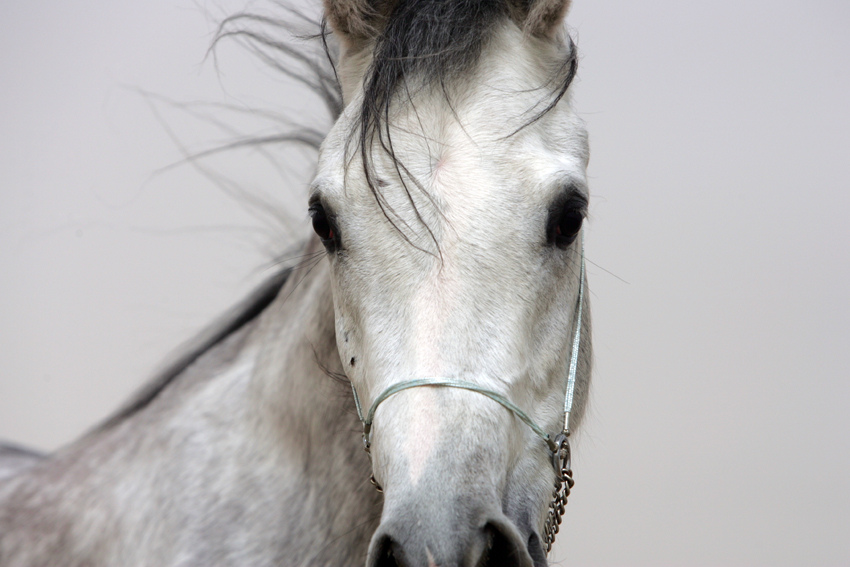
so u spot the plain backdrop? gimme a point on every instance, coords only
(719, 243)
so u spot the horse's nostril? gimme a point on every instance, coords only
(503, 550)
(498, 544)
(535, 549)
(385, 555)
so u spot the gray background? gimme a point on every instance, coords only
(720, 136)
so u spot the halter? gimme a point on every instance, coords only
(559, 447)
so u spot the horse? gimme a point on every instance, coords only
(441, 324)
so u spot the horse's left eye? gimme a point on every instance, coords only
(565, 224)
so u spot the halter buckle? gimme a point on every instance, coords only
(561, 455)
(367, 445)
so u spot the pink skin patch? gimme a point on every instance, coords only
(438, 167)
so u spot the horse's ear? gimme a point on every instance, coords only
(355, 21)
(541, 18)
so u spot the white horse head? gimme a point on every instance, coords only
(450, 196)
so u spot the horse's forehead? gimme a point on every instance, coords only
(480, 140)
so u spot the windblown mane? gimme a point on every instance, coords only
(297, 47)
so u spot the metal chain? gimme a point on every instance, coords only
(563, 483)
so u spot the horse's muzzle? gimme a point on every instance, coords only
(415, 543)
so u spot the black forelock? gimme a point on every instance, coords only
(429, 43)
(431, 40)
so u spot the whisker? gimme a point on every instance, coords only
(608, 271)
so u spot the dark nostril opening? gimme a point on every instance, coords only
(497, 544)
(385, 555)
(502, 550)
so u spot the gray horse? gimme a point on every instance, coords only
(444, 310)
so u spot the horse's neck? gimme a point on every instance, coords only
(307, 417)
(252, 456)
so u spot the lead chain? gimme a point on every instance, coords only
(563, 483)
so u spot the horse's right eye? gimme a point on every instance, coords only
(324, 226)
(567, 227)
(565, 219)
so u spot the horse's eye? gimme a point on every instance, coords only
(565, 225)
(323, 226)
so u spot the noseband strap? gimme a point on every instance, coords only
(396, 388)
